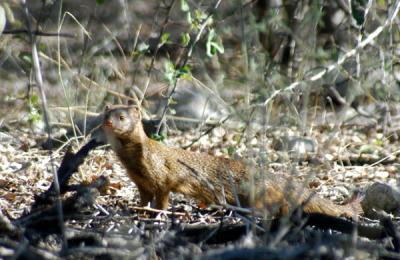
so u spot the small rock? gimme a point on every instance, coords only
(329, 157)
(204, 140)
(4, 163)
(108, 172)
(5, 137)
(340, 177)
(343, 191)
(392, 182)
(214, 139)
(333, 198)
(274, 157)
(349, 174)
(219, 132)
(382, 174)
(15, 166)
(295, 144)
(356, 139)
(218, 152)
(254, 141)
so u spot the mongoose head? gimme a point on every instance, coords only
(122, 121)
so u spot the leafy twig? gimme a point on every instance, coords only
(186, 59)
(341, 60)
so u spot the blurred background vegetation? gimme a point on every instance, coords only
(264, 62)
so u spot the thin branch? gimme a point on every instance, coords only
(369, 39)
(186, 59)
(39, 83)
(165, 23)
(39, 33)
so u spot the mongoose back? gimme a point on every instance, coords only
(158, 170)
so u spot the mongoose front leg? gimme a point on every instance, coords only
(145, 197)
(162, 200)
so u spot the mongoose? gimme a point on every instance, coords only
(158, 170)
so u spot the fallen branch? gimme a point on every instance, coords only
(44, 217)
(69, 166)
(166, 212)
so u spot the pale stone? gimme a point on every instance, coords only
(329, 157)
(382, 174)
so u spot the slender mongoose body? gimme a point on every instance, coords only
(158, 170)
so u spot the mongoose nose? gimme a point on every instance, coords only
(108, 122)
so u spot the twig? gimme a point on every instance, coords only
(39, 33)
(160, 211)
(384, 158)
(153, 58)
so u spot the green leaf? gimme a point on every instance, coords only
(142, 47)
(158, 137)
(42, 47)
(164, 39)
(200, 15)
(237, 138)
(172, 111)
(185, 39)
(185, 72)
(34, 113)
(231, 150)
(216, 47)
(381, 3)
(100, 2)
(34, 117)
(170, 72)
(34, 100)
(184, 6)
(185, 69)
(27, 57)
(187, 76)
(214, 44)
(367, 149)
(172, 101)
(378, 142)
(189, 18)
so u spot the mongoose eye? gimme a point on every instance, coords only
(121, 117)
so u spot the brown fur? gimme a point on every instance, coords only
(158, 170)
